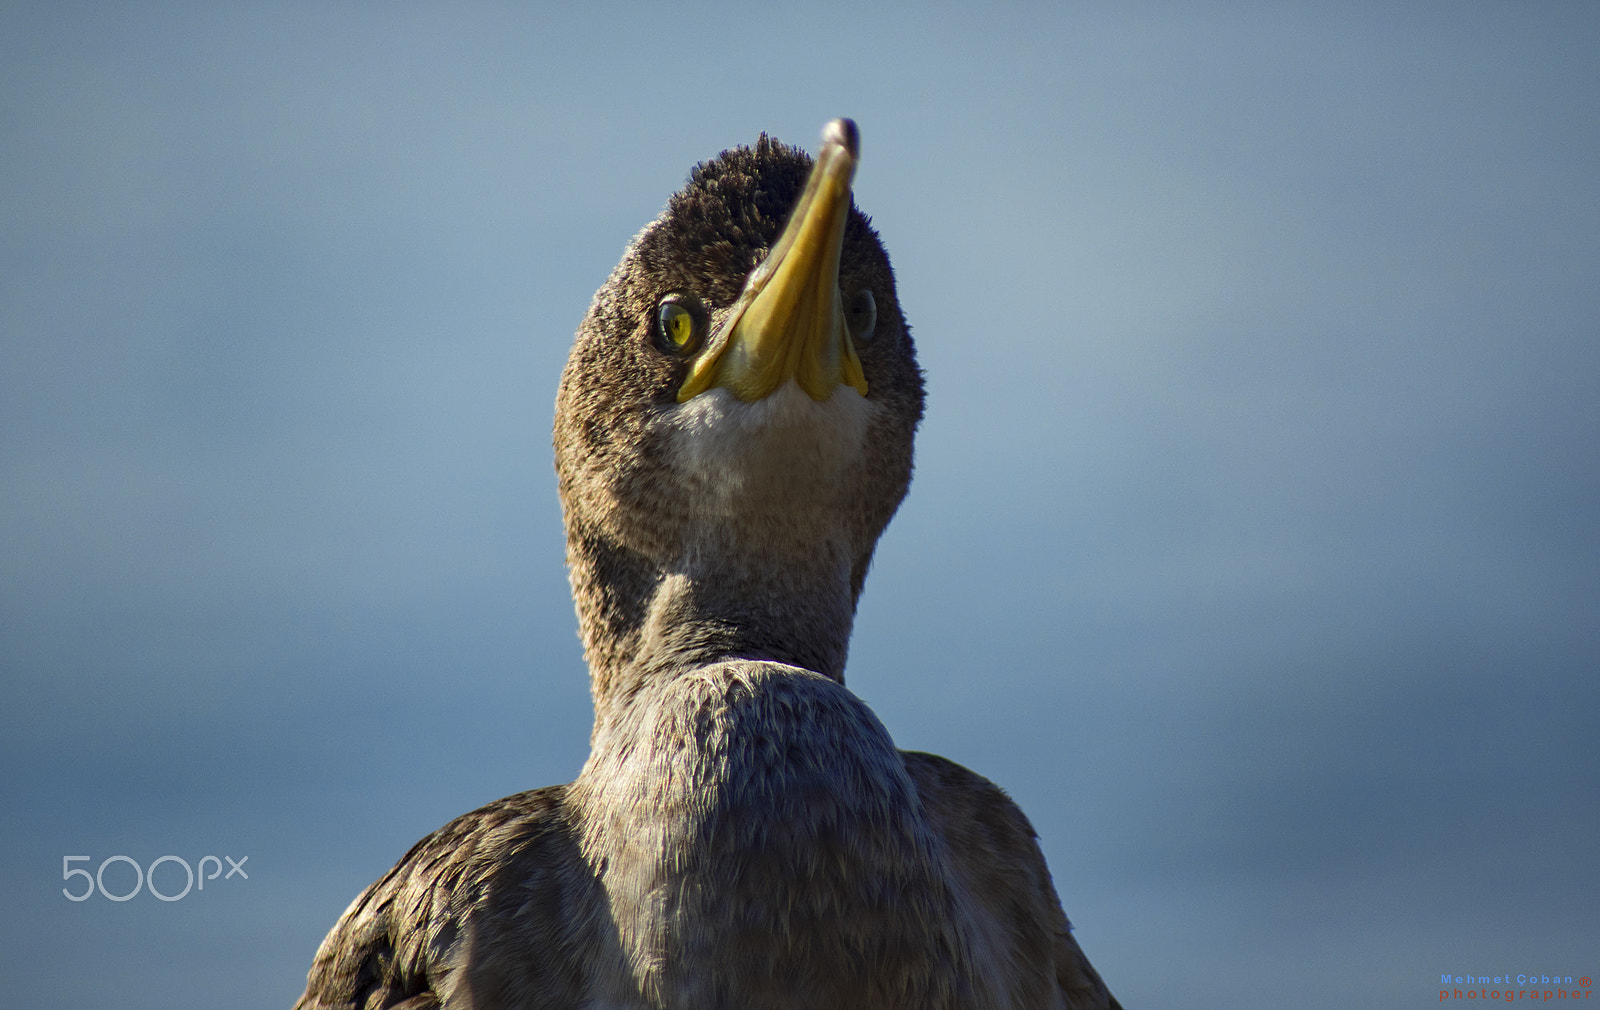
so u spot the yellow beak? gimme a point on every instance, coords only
(789, 321)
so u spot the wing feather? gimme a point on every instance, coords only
(996, 853)
(507, 876)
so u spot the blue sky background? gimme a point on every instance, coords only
(1254, 544)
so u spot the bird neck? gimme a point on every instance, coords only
(642, 621)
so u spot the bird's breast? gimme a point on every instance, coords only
(753, 821)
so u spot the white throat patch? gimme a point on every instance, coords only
(785, 453)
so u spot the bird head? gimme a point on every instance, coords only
(739, 406)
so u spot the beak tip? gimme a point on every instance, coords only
(843, 133)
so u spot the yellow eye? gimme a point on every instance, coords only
(675, 329)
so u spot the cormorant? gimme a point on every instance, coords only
(733, 432)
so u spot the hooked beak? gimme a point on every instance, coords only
(788, 322)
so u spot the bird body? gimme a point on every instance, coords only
(734, 431)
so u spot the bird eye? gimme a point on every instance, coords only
(862, 316)
(675, 328)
